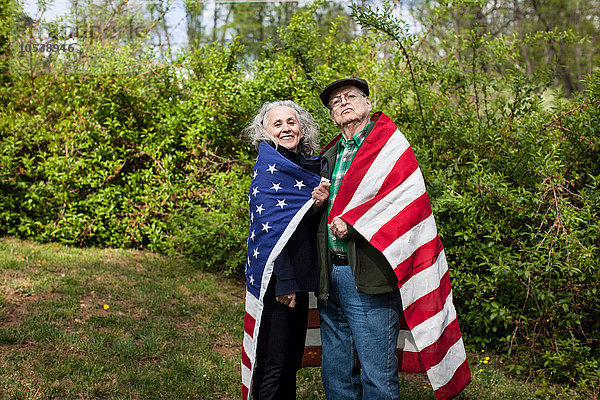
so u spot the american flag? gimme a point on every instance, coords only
(383, 196)
(279, 196)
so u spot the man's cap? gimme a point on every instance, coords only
(359, 83)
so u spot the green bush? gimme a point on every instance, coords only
(213, 232)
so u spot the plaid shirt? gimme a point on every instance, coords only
(346, 152)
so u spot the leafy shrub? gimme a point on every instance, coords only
(213, 233)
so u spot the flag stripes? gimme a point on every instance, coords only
(383, 197)
(371, 215)
(373, 158)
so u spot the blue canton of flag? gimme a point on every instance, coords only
(279, 197)
(279, 190)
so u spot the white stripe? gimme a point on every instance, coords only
(381, 167)
(429, 331)
(424, 282)
(246, 376)
(253, 305)
(250, 347)
(425, 231)
(312, 301)
(440, 374)
(406, 342)
(313, 337)
(391, 205)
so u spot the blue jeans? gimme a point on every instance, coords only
(364, 326)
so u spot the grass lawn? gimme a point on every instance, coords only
(123, 324)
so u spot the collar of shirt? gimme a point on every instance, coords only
(356, 140)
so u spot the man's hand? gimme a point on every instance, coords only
(287, 299)
(339, 227)
(320, 193)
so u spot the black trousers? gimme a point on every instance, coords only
(280, 347)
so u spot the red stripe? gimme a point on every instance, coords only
(380, 133)
(410, 361)
(461, 378)
(430, 304)
(403, 324)
(435, 353)
(312, 356)
(420, 259)
(404, 167)
(246, 359)
(314, 320)
(404, 221)
(244, 392)
(249, 323)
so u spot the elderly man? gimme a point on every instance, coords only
(360, 303)
(382, 267)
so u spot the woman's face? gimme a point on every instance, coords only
(282, 123)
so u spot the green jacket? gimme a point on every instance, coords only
(372, 272)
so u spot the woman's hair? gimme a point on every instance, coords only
(256, 132)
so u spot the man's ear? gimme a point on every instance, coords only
(369, 103)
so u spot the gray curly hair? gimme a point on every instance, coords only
(256, 132)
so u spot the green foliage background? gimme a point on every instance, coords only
(112, 147)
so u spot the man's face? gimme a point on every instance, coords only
(350, 112)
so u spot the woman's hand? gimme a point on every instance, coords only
(321, 193)
(287, 299)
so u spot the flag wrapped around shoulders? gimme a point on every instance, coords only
(383, 196)
(279, 197)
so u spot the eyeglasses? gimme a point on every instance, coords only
(350, 97)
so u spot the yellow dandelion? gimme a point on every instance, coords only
(485, 361)
(480, 369)
(482, 350)
(106, 306)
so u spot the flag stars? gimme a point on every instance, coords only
(281, 203)
(255, 191)
(255, 253)
(251, 217)
(251, 279)
(252, 235)
(272, 168)
(260, 209)
(299, 184)
(255, 174)
(276, 186)
(266, 227)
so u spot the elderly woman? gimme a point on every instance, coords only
(292, 132)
